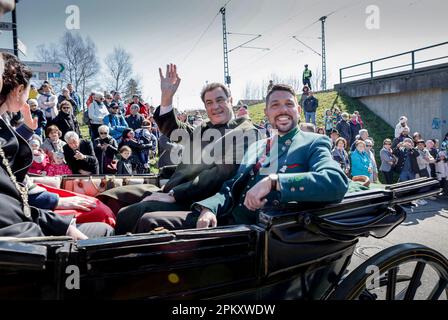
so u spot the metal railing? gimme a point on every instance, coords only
(413, 63)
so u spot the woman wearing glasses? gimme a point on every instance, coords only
(388, 161)
(106, 147)
(65, 120)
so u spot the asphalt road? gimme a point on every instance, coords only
(427, 225)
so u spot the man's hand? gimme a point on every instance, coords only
(160, 197)
(206, 220)
(79, 156)
(255, 197)
(169, 84)
(76, 203)
(28, 120)
(73, 232)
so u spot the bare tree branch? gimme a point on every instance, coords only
(119, 67)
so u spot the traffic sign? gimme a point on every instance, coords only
(45, 67)
(6, 26)
(53, 75)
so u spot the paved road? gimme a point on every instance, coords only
(427, 225)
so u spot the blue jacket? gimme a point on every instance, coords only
(360, 163)
(117, 124)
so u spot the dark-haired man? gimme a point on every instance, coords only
(211, 155)
(293, 166)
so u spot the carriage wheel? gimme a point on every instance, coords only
(390, 264)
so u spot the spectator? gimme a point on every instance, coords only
(320, 130)
(407, 165)
(341, 156)
(125, 164)
(40, 159)
(444, 144)
(53, 143)
(355, 127)
(90, 99)
(404, 135)
(363, 136)
(336, 116)
(307, 75)
(105, 147)
(442, 171)
(334, 135)
(360, 159)
(65, 120)
(430, 145)
(108, 99)
(243, 112)
(128, 139)
(310, 107)
(388, 161)
(182, 117)
(416, 137)
(135, 119)
(170, 153)
(308, 127)
(119, 101)
(359, 119)
(305, 95)
(424, 159)
(401, 125)
(198, 121)
(144, 136)
(270, 86)
(328, 122)
(344, 127)
(97, 113)
(39, 114)
(116, 122)
(143, 109)
(79, 155)
(58, 167)
(371, 153)
(75, 97)
(48, 103)
(65, 96)
(34, 94)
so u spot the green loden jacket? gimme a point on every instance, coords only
(195, 179)
(306, 170)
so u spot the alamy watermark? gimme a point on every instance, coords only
(373, 21)
(73, 21)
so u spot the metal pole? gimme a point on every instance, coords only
(227, 78)
(14, 31)
(324, 56)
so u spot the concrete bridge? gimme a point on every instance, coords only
(420, 94)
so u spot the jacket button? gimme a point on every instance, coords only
(302, 189)
(293, 189)
(276, 203)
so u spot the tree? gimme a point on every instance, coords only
(119, 67)
(79, 57)
(133, 87)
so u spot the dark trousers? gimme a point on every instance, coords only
(389, 176)
(307, 82)
(424, 173)
(94, 131)
(96, 230)
(175, 220)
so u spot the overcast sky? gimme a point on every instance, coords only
(157, 32)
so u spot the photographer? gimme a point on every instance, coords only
(407, 165)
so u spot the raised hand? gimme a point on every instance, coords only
(169, 84)
(28, 119)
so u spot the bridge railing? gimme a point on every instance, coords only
(407, 61)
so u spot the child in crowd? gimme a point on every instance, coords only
(58, 167)
(124, 166)
(144, 136)
(442, 171)
(40, 159)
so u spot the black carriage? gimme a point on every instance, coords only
(293, 252)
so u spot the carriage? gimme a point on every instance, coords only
(293, 252)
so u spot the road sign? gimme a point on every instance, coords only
(22, 47)
(6, 26)
(45, 67)
(43, 76)
(53, 75)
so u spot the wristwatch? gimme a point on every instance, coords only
(274, 181)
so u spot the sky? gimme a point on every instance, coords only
(157, 32)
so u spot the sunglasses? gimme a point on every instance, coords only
(103, 133)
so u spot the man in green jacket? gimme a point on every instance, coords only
(294, 166)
